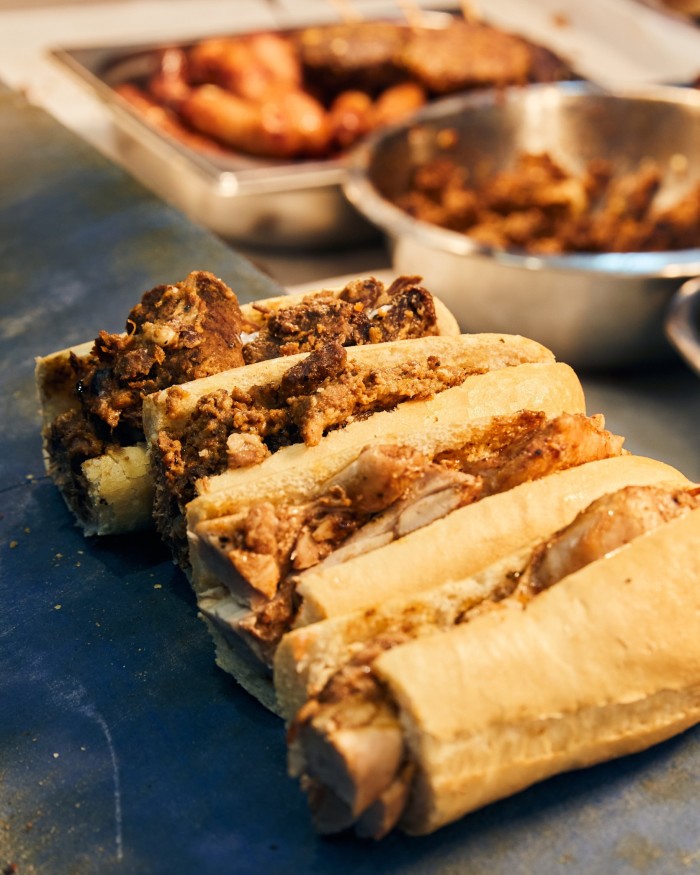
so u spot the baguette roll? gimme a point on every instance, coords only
(501, 524)
(604, 664)
(588, 651)
(295, 471)
(481, 544)
(173, 407)
(328, 399)
(244, 566)
(87, 446)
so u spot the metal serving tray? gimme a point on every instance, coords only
(241, 198)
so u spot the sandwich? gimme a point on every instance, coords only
(92, 394)
(574, 649)
(239, 425)
(265, 553)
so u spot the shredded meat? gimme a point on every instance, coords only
(539, 206)
(245, 449)
(361, 390)
(386, 493)
(175, 334)
(328, 732)
(182, 332)
(530, 446)
(363, 312)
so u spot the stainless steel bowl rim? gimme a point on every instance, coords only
(395, 222)
(682, 323)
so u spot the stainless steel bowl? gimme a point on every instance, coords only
(592, 310)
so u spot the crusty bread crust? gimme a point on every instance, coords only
(233, 657)
(605, 663)
(474, 550)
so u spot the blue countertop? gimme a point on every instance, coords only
(123, 749)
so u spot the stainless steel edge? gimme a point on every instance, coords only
(682, 324)
(285, 205)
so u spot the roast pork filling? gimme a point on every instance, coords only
(386, 493)
(346, 743)
(195, 328)
(364, 312)
(323, 391)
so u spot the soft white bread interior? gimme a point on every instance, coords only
(471, 537)
(605, 663)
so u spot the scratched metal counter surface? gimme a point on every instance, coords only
(122, 748)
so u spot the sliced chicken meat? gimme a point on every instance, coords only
(338, 727)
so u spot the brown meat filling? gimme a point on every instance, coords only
(328, 734)
(387, 493)
(364, 312)
(322, 392)
(193, 329)
(176, 334)
(540, 206)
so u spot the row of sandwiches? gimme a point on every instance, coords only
(414, 545)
